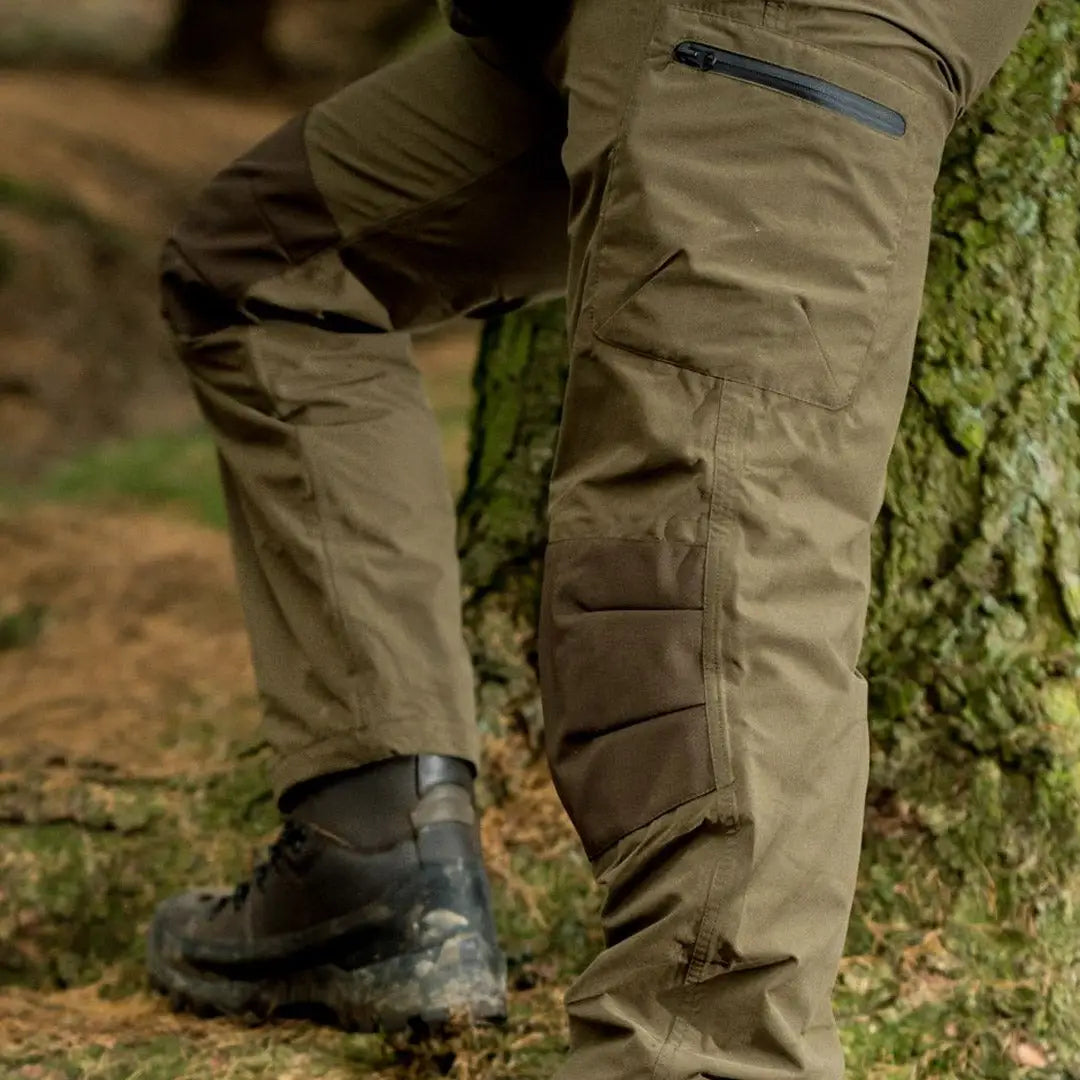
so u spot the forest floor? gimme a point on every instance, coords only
(129, 766)
(129, 756)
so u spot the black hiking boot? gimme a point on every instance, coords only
(372, 911)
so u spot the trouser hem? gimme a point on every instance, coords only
(355, 749)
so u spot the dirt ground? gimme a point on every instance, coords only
(140, 616)
(138, 674)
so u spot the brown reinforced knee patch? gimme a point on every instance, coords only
(256, 218)
(621, 661)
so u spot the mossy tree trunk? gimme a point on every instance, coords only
(518, 386)
(973, 640)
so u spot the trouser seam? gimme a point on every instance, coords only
(627, 106)
(268, 223)
(671, 1043)
(729, 440)
(594, 537)
(699, 956)
(333, 592)
(318, 513)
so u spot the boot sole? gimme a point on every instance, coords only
(455, 984)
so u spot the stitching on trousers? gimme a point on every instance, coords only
(710, 916)
(728, 445)
(332, 589)
(680, 365)
(588, 314)
(774, 13)
(669, 1048)
(326, 570)
(268, 224)
(627, 540)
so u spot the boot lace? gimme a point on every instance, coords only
(290, 841)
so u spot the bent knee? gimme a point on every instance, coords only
(256, 218)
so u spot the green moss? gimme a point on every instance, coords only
(22, 627)
(502, 515)
(48, 205)
(225, 1053)
(971, 648)
(9, 256)
(83, 861)
(554, 936)
(178, 470)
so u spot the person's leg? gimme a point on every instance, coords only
(751, 191)
(426, 190)
(430, 189)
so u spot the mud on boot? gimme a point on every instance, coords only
(372, 911)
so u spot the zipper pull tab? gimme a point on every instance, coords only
(693, 54)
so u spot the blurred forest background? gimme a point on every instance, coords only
(129, 760)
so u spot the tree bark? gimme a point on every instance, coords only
(973, 639)
(518, 386)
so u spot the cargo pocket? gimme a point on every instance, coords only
(753, 210)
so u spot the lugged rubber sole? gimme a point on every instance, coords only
(459, 982)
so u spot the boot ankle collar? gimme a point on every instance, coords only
(435, 769)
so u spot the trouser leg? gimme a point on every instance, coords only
(429, 189)
(752, 185)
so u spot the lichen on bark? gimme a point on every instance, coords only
(973, 637)
(518, 385)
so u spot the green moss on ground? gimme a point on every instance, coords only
(167, 470)
(85, 857)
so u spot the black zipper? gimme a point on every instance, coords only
(808, 87)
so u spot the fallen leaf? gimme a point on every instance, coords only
(1026, 1054)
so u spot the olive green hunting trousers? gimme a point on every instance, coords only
(735, 198)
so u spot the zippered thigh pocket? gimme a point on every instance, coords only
(753, 209)
(810, 88)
